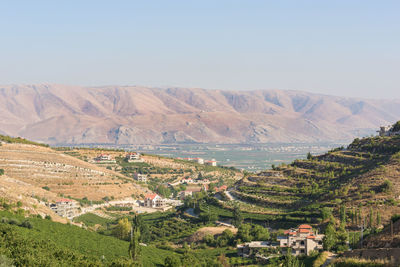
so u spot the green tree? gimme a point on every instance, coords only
(309, 156)
(326, 213)
(371, 217)
(122, 229)
(291, 261)
(237, 217)
(260, 233)
(134, 246)
(378, 218)
(343, 214)
(243, 232)
(1, 172)
(330, 237)
(172, 261)
(341, 238)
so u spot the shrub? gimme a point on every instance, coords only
(14, 221)
(46, 188)
(387, 186)
(27, 224)
(1, 172)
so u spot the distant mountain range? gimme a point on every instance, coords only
(59, 114)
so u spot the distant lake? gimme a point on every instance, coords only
(251, 157)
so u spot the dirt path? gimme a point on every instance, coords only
(329, 259)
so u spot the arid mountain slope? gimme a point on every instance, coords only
(30, 169)
(138, 115)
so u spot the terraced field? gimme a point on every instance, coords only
(366, 174)
(42, 169)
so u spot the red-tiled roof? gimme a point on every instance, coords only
(305, 226)
(292, 233)
(311, 237)
(302, 230)
(150, 196)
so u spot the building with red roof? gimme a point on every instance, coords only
(154, 201)
(302, 240)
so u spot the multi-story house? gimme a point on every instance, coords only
(301, 240)
(154, 201)
(65, 208)
(140, 177)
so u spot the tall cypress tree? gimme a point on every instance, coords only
(134, 246)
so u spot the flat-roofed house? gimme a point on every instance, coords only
(65, 207)
(140, 177)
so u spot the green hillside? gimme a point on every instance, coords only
(41, 242)
(364, 176)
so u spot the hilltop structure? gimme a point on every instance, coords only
(389, 130)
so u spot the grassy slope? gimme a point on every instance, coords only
(80, 241)
(352, 176)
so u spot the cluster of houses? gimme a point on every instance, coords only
(130, 157)
(201, 161)
(387, 131)
(301, 240)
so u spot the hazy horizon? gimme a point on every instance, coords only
(337, 48)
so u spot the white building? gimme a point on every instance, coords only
(133, 157)
(301, 240)
(154, 201)
(387, 131)
(212, 162)
(140, 177)
(103, 157)
(65, 207)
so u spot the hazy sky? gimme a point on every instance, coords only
(347, 47)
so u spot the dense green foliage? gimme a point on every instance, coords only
(47, 243)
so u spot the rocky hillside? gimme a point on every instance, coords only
(137, 115)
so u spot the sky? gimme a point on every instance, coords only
(342, 47)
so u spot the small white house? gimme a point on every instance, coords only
(133, 157)
(212, 162)
(140, 177)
